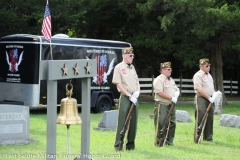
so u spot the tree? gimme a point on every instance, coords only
(21, 16)
(180, 31)
(210, 21)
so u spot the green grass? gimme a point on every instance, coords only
(226, 143)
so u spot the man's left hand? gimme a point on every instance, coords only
(136, 94)
(176, 94)
(133, 100)
(174, 100)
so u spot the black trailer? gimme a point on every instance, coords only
(20, 56)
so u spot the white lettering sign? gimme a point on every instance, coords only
(100, 51)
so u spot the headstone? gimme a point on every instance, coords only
(182, 116)
(230, 120)
(152, 116)
(108, 120)
(14, 124)
(218, 103)
(237, 120)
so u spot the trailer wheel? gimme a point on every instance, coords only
(104, 103)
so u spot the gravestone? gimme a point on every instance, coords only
(151, 116)
(181, 116)
(14, 124)
(218, 103)
(230, 120)
(108, 121)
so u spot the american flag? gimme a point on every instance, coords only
(46, 26)
(13, 59)
(101, 67)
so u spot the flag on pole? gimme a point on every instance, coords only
(46, 26)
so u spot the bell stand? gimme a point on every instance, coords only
(53, 70)
(68, 140)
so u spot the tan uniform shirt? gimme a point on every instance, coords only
(202, 80)
(163, 84)
(127, 76)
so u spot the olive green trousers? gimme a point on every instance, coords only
(123, 110)
(160, 114)
(201, 105)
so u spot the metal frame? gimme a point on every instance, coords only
(54, 70)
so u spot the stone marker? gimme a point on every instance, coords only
(151, 116)
(14, 124)
(108, 121)
(230, 120)
(181, 116)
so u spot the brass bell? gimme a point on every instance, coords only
(68, 110)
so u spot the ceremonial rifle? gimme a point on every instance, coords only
(201, 127)
(165, 129)
(125, 127)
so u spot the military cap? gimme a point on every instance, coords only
(127, 50)
(165, 65)
(204, 61)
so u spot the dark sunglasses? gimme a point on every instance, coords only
(131, 56)
(169, 69)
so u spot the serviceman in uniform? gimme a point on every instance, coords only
(166, 93)
(126, 80)
(205, 94)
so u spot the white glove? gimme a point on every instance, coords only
(133, 99)
(176, 94)
(174, 100)
(136, 94)
(211, 99)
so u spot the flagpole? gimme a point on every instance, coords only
(51, 42)
(47, 27)
(51, 48)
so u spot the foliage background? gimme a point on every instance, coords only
(180, 31)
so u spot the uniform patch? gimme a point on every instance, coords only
(204, 77)
(124, 71)
(165, 82)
